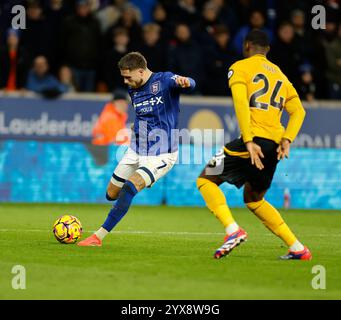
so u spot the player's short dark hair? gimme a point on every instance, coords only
(258, 38)
(132, 61)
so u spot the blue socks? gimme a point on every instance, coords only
(121, 207)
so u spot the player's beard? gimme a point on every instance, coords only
(138, 84)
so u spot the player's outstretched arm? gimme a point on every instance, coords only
(183, 82)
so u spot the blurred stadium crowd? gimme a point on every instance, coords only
(74, 45)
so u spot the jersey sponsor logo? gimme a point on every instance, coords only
(148, 104)
(155, 87)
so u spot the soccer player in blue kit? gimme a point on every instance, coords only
(154, 144)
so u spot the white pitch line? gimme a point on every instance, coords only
(168, 232)
(176, 233)
(124, 232)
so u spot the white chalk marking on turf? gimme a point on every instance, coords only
(167, 232)
(22, 230)
(125, 232)
(177, 233)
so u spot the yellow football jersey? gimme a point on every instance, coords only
(268, 91)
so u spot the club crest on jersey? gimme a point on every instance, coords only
(155, 87)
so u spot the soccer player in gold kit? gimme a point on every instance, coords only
(260, 92)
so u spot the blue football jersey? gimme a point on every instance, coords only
(156, 106)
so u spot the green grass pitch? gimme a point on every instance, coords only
(164, 253)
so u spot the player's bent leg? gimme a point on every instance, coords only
(125, 168)
(138, 181)
(269, 216)
(216, 202)
(112, 191)
(129, 190)
(153, 168)
(272, 219)
(215, 199)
